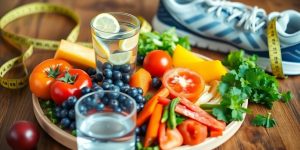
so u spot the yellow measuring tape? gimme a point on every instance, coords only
(274, 50)
(20, 41)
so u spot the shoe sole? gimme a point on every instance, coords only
(289, 68)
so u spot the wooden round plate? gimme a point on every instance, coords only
(69, 140)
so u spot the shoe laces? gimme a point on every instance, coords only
(250, 18)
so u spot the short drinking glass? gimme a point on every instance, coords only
(115, 37)
(105, 120)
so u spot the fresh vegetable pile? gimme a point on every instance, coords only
(169, 89)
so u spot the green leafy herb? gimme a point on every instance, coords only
(265, 121)
(167, 41)
(245, 80)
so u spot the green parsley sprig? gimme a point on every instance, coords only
(167, 41)
(245, 80)
(265, 121)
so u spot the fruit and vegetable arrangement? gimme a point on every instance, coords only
(182, 99)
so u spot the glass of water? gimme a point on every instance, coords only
(105, 120)
(115, 37)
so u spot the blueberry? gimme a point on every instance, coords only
(91, 71)
(57, 114)
(125, 68)
(82, 109)
(156, 83)
(85, 90)
(65, 105)
(113, 95)
(138, 98)
(105, 85)
(143, 100)
(71, 114)
(100, 107)
(117, 109)
(138, 107)
(116, 67)
(122, 98)
(140, 59)
(113, 103)
(119, 83)
(138, 138)
(114, 88)
(72, 125)
(105, 100)
(124, 88)
(64, 113)
(125, 77)
(128, 103)
(98, 77)
(140, 90)
(107, 73)
(132, 92)
(137, 130)
(108, 81)
(91, 102)
(106, 65)
(141, 105)
(71, 101)
(57, 109)
(65, 123)
(99, 94)
(117, 75)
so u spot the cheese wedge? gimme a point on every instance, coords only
(76, 54)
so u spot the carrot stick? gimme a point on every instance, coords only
(215, 133)
(150, 105)
(152, 129)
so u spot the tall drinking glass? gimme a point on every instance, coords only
(105, 120)
(115, 37)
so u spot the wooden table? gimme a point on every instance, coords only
(16, 104)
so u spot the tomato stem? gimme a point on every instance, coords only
(53, 72)
(68, 78)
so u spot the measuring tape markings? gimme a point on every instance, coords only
(20, 40)
(274, 50)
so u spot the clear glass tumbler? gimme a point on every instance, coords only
(115, 37)
(105, 120)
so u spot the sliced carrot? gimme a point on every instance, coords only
(150, 106)
(215, 133)
(152, 129)
(142, 79)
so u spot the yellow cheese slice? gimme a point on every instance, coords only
(76, 54)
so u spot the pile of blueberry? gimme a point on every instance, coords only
(116, 78)
(66, 113)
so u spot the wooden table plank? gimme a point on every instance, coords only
(16, 104)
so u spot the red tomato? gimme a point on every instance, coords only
(23, 135)
(44, 74)
(192, 131)
(184, 83)
(169, 138)
(157, 62)
(69, 84)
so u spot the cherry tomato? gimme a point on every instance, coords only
(69, 84)
(157, 62)
(183, 82)
(169, 138)
(192, 131)
(44, 74)
(23, 135)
